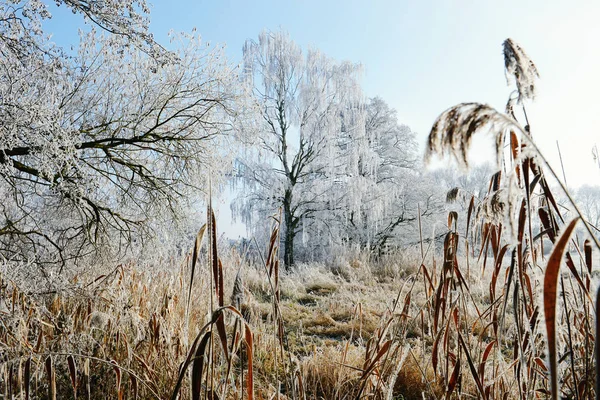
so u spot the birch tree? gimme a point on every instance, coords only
(342, 169)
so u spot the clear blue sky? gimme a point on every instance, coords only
(424, 56)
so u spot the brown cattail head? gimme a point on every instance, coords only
(237, 296)
(519, 65)
(494, 207)
(452, 195)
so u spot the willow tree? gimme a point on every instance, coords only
(300, 97)
(382, 188)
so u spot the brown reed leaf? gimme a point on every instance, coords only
(452, 217)
(27, 377)
(430, 286)
(522, 220)
(39, 341)
(587, 249)
(220, 323)
(550, 294)
(435, 351)
(198, 366)
(484, 357)
(575, 273)
(51, 378)
(373, 362)
(496, 272)
(404, 316)
(249, 356)
(72, 374)
(469, 214)
(509, 281)
(9, 381)
(86, 373)
(515, 147)
(548, 224)
(271, 254)
(195, 253)
(541, 364)
(453, 379)
(118, 379)
(134, 386)
(476, 377)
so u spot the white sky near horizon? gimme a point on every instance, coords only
(422, 57)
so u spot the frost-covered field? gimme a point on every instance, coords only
(392, 328)
(134, 322)
(366, 275)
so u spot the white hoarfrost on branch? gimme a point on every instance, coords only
(125, 20)
(382, 193)
(97, 148)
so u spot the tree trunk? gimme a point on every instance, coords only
(288, 255)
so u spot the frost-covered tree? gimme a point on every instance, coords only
(588, 198)
(21, 32)
(378, 187)
(382, 191)
(94, 146)
(299, 97)
(342, 169)
(475, 182)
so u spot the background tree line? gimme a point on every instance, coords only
(110, 150)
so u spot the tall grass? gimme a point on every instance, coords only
(491, 314)
(518, 214)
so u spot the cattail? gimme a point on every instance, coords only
(452, 195)
(237, 296)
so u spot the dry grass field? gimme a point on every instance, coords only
(489, 313)
(403, 327)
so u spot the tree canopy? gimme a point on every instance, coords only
(93, 146)
(340, 168)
